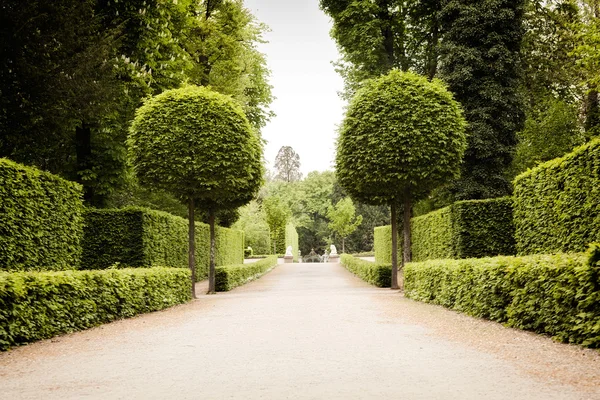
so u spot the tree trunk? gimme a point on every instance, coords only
(192, 245)
(407, 240)
(343, 246)
(394, 246)
(211, 271)
(83, 149)
(592, 113)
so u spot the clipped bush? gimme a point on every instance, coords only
(291, 239)
(40, 305)
(557, 207)
(376, 274)
(557, 295)
(466, 229)
(41, 222)
(232, 276)
(140, 237)
(382, 244)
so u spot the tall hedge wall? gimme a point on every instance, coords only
(39, 305)
(382, 244)
(291, 239)
(558, 295)
(139, 237)
(557, 204)
(472, 228)
(41, 219)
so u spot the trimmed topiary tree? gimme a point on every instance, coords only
(402, 137)
(198, 145)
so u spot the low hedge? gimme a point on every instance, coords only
(140, 237)
(232, 276)
(466, 229)
(556, 204)
(376, 274)
(41, 219)
(40, 305)
(557, 295)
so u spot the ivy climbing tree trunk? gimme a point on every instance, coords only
(192, 245)
(211, 271)
(394, 245)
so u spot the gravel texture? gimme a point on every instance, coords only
(304, 331)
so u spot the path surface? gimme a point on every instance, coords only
(304, 331)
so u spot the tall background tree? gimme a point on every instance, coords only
(343, 219)
(287, 165)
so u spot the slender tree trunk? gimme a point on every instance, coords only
(211, 271)
(407, 240)
(394, 246)
(343, 246)
(83, 148)
(192, 245)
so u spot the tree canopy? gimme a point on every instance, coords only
(287, 165)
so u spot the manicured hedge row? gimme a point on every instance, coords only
(41, 222)
(558, 295)
(140, 237)
(39, 305)
(232, 276)
(291, 239)
(557, 206)
(376, 274)
(382, 244)
(466, 229)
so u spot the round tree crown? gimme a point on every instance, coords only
(402, 136)
(196, 143)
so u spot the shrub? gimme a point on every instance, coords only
(232, 276)
(466, 229)
(248, 252)
(556, 204)
(376, 274)
(382, 244)
(140, 237)
(39, 305)
(41, 221)
(558, 295)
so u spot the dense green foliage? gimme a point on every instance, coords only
(197, 144)
(343, 219)
(401, 137)
(139, 237)
(480, 63)
(557, 295)
(256, 230)
(377, 274)
(556, 203)
(466, 229)
(39, 305)
(232, 276)
(291, 239)
(382, 244)
(41, 220)
(277, 215)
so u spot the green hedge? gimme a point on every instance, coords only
(232, 276)
(382, 244)
(291, 239)
(466, 229)
(40, 305)
(558, 295)
(41, 222)
(376, 274)
(557, 204)
(140, 237)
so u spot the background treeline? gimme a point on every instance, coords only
(72, 74)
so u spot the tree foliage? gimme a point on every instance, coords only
(343, 219)
(287, 164)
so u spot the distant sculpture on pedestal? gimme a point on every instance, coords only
(333, 255)
(333, 250)
(289, 257)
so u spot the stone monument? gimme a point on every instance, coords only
(333, 255)
(289, 257)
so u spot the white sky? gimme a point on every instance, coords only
(299, 54)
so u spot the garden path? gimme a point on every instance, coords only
(304, 331)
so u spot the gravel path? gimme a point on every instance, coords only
(304, 331)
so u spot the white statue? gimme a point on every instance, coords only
(288, 252)
(333, 250)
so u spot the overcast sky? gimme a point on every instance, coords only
(299, 54)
